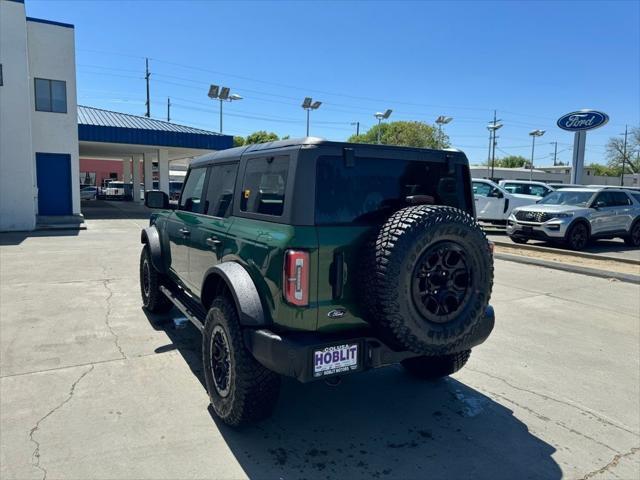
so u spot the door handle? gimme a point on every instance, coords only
(214, 242)
(185, 232)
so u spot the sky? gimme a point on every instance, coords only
(531, 61)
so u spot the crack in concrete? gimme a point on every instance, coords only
(107, 316)
(547, 419)
(35, 456)
(562, 402)
(613, 463)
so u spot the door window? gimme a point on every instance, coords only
(538, 190)
(264, 184)
(222, 180)
(603, 200)
(191, 199)
(482, 189)
(619, 199)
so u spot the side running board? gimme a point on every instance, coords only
(188, 307)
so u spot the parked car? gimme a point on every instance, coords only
(494, 204)
(89, 192)
(314, 259)
(576, 215)
(526, 187)
(557, 186)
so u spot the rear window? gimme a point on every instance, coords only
(370, 190)
(264, 185)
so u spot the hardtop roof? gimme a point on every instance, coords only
(234, 153)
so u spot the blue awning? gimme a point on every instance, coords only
(98, 125)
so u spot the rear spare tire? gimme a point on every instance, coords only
(427, 279)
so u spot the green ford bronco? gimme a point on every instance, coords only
(316, 259)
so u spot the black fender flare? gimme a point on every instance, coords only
(243, 290)
(151, 237)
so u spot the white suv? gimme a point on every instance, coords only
(526, 187)
(576, 215)
(494, 203)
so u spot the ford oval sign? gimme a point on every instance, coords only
(582, 120)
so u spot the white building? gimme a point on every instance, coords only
(43, 131)
(38, 119)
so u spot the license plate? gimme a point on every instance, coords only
(527, 229)
(335, 359)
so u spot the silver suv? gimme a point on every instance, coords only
(576, 215)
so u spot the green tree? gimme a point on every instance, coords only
(603, 170)
(408, 134)
(615, 152)
(513, 161)
(238, 141)
(261, 136)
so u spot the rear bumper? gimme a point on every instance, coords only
(294, 354)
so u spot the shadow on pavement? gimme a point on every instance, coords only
(113, 209)
(379, 424)
(16, 238)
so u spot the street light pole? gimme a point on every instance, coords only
(380, 116)
(534, 134)
(442, 120)
(216, 92)
(308, 104)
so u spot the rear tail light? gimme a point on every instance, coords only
(296, 277)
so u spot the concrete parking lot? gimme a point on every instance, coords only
(90, 389)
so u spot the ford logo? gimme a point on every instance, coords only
(582, 120)
(337, 313)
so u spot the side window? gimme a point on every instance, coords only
(619, 199)
(222, 180)
(191, 199)
(603, 200)
(51, 95)
(538, 190)
(481, 189)
(264, 184)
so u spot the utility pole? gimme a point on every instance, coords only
(168, 109)
(146, 77)
(624, 156)
(357, 124)
(555, 153)
(492, 127)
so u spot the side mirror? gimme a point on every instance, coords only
(599, 204)
(156, 199)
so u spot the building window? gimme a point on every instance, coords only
(1, 80)
(51, 95)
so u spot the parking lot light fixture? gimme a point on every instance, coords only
(308, 104)
(216, 92)
(442, 120)
(534, 134)
(382, 116)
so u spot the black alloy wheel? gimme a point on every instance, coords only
(441, 281)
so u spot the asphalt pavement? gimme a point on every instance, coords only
(91, 389)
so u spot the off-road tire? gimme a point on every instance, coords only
(389, 261)
(633, 239)
(150, 280)
(519, 240)
(252, 389)
(433, 368)
(577, 237)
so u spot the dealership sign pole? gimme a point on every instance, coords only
(579, 122)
